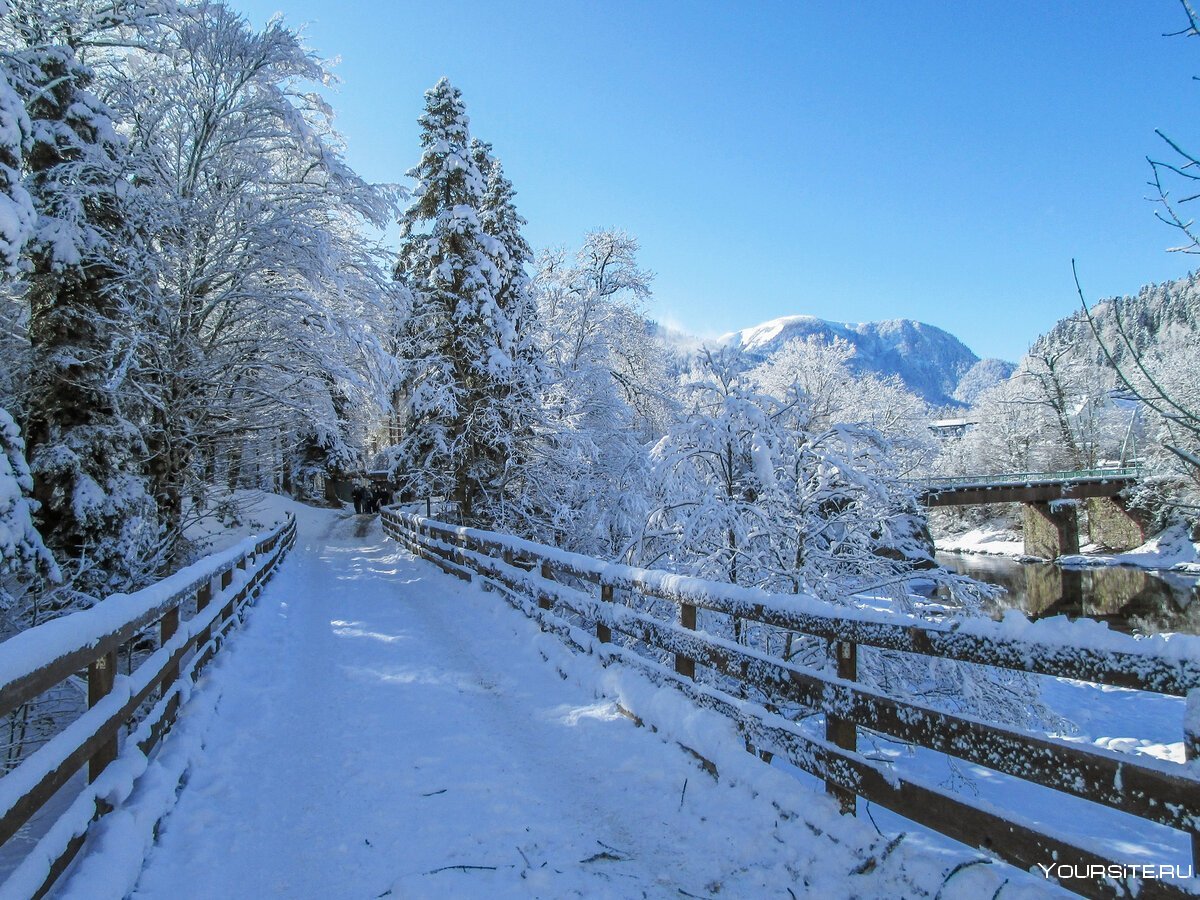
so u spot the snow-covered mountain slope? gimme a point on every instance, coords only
(931, 362)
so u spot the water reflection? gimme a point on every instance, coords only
(1132, 600)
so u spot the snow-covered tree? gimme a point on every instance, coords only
(85, 448)
(1057, 411)
(268, 337)
(466, 398)
(769, 492)
(717, 473)
(23, 556)
(16, 207)
(819, 370)
(764, 492)
(1161, 377)
(832, 394)
(197, 303)
(521, 390)
(609, 394)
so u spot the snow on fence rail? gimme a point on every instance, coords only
(532, 577)
(37, 660)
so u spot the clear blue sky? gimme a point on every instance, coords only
(942, 161)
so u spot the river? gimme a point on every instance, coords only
(1139, 601)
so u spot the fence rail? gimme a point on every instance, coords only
(548, 584)
(39, 659)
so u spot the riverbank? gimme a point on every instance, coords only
(1171, 550)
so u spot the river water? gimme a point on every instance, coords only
(1139, 601)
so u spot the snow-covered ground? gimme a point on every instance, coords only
(991, 539)
(232, 517)
(379, 729)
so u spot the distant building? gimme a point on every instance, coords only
(951, 428)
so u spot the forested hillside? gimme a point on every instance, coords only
(1113, 385)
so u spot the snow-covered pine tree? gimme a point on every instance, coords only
(23, 556)
(458, 343)
(516, 507)
(16, 208)
(499, 217)
(85, 449)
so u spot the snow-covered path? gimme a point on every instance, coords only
(385, 730)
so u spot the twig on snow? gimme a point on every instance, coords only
(958, 868)
(604, 856)
(463, 868)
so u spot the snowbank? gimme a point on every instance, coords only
(1172, 549)
(987, 539)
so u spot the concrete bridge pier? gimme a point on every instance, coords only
(1051, 528)
(1113, 525)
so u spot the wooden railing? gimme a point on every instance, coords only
(558, 589)
(35, 661)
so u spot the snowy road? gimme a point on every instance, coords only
(385, 730)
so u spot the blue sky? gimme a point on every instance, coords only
(941, 161)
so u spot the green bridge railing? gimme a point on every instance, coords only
(937, 483)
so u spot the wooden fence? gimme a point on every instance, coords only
(35, 661)
(547, 583)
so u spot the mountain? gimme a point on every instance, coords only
(1158, 315)
(979, 378)
(932, 363)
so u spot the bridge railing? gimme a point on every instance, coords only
(555, 588)
(953, 482)
(117, 723)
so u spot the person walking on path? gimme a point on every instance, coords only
(361, 494)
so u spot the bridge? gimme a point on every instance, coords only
(1051, 527)
(447, 711)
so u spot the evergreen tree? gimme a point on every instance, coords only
(85, 450)
(23, 556)
(522, 390)
(16, 208)
(459, 342)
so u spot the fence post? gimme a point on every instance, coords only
(839, 731)
(203, 597)
(687, 618)
(544, 599)
(1191, 751)
(167, 626)
(101, 675)
(603, 632)
(227, 612)
(428, 509)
